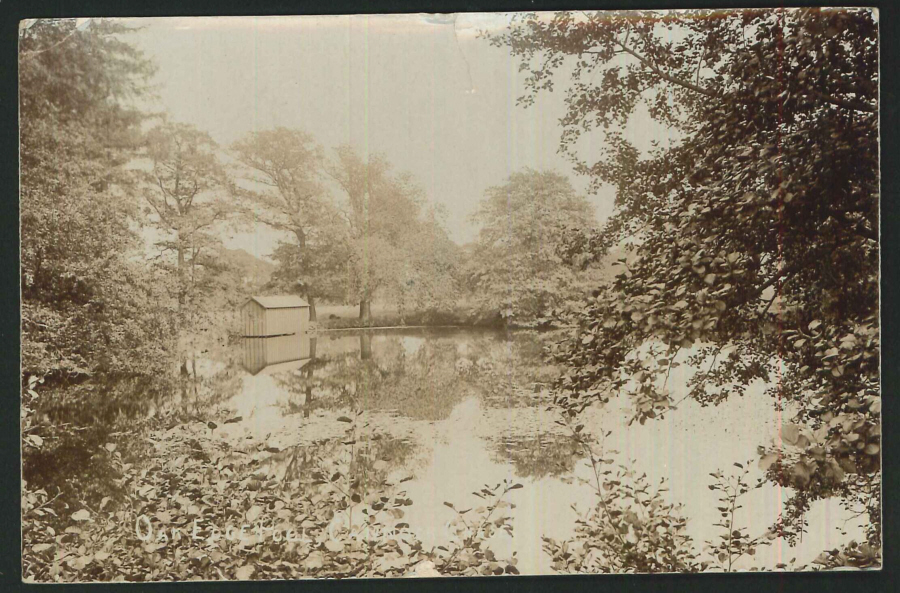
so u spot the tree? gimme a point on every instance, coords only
(429, 278)
(284, 173)
(182, 189)
(382, 213)
(756, 231)
(87, 306)
(320, 265)
(519, 264)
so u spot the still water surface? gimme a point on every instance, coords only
(459, 409)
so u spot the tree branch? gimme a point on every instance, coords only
(845, 103)
(657, 70)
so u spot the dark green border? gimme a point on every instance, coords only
(11, 11)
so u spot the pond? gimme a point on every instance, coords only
(456, 409)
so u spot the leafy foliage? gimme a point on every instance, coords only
(631, 529)
(283, 188)
(87, 307)
(192, 508)
(97, 327)
(754, 231)
(395, 248)
(734, 541)
(520, 265)
(182, 190)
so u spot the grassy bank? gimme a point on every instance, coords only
(384, 315)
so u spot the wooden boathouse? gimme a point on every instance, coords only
(267, 316)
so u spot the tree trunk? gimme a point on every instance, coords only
(365, 311)
(312, 307)
(181, 291)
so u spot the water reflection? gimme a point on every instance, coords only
(277, 354)
(418, 377)
(458, 409)
(538, 456)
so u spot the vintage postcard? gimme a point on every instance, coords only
(450, 295)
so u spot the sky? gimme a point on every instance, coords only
(425, 90)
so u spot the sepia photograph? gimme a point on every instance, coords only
(465, 295)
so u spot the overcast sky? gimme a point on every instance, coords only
(437, 100)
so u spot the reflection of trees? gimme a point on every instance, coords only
(370, 460)
(200, 392)
(539, 456)
(424, 384)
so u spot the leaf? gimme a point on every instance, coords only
(680, 304)
(801, 473)
(515, 487)
(38, 548)
(334, 546)
(34, 440)
(790, 433)
(111, 447)
(710, 279)
(254, 512)
(82, 515)
(344, 419)
(315, 560)
(814, 324)
(245, 572)
(766, 461)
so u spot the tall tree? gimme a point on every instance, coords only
(283, 190)
(184, 190)
(87, 306)
(519, 265)
(429, 277)
(757, 226)
(381, 211)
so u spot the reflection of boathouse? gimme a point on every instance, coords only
(276, 354)
(274, 316)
